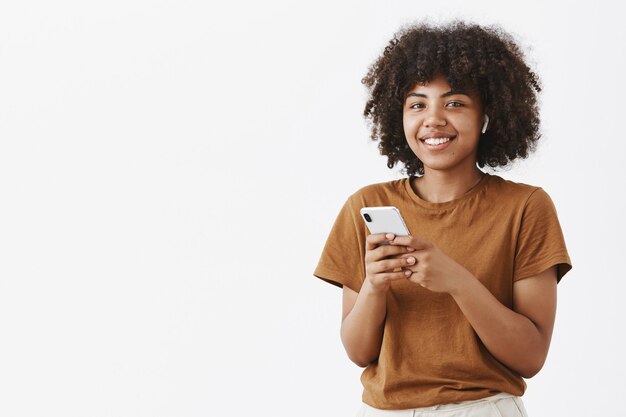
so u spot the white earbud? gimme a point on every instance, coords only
(484, 129)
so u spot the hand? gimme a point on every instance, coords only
(382, 264)
(434, 270)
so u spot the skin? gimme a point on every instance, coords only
(518, 337)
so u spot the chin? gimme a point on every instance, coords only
(436, 165)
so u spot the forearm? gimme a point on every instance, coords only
(510, 337)
(362, 328)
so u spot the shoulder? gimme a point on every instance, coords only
(507, 186)
(379, 193)
(518, 192)
(519, 199)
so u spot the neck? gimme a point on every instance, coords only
(442, 186)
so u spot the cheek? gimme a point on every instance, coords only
(413, 143)
(405, 123)
(466, 125)
(411, 128)
(410, 125)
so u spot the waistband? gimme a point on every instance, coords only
(440, 407)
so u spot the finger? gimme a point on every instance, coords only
(414, 242)
(373, 240)
(392, 264)
(418, 278)
(394, 276)
(402, 252)
(386, 251)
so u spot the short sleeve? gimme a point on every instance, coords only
(342, 259)
(540, 243)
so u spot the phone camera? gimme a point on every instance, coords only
(367, 217)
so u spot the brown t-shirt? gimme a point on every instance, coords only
(500, 231)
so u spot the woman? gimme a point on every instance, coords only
(450, 320)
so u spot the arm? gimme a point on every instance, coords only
(362, 323)
(363, 314)
(519, 338)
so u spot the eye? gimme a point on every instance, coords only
(416, 106)
(458, 104)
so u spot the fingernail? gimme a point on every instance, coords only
(409, 249)
(410, 260)
(389, 236)
(407, 273)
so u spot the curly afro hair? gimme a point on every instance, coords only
(470, 57)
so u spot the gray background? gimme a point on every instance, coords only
(169, 173)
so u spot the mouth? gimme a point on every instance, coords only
(438, 143)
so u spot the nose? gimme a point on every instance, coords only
(434, 117)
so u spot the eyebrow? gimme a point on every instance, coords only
(449, 93)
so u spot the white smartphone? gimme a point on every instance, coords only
(385, 219)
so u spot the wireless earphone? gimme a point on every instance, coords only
(484, 129)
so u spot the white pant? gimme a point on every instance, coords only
(499, 405)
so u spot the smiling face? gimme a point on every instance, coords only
(442, 127)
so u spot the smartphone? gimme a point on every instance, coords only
(385, 219)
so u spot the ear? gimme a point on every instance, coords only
(484, 129)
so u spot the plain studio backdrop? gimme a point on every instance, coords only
(170, 170)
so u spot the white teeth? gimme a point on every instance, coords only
(436, 141)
